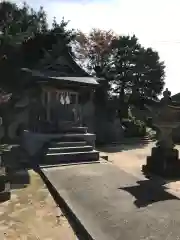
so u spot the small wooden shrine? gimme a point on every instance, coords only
(64, 86)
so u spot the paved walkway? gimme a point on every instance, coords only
(113, 204)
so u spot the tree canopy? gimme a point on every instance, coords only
(134, 69)
(93, 50)
(25, 38)
(134, 73)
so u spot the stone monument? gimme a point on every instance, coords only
(164, 159)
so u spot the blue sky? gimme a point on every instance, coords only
(154, 22)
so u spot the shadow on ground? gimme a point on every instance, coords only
(4, 197)
(148, 192)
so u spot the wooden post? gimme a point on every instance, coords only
(76, 109)
(48, 105)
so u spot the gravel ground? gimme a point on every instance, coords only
(130, 158)
(31, 213)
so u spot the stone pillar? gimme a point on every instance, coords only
(88, 112)
(48, 106)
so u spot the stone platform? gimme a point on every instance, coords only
(112, 204)
(163, 162)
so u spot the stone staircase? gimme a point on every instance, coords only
(70, 148)
(133, 140)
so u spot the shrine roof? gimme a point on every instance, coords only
(176, 97)
(46, 76)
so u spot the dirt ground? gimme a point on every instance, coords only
(130, 158)
(32, 214)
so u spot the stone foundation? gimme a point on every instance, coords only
(163, 162)
(33, 142)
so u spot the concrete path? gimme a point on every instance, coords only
(113, 205)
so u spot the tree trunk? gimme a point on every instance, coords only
(122, 105)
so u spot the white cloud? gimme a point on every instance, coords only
(155, 23)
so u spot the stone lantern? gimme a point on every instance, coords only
(164, 159)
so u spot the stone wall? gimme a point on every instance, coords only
(106, 130)
(88, 115)
(176, 135)
(20, 119)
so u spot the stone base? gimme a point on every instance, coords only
(163, 162)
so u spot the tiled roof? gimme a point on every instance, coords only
(176, 97)
(47, 75)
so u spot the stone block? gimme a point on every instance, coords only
(163, 162)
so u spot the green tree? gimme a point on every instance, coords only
(46, 46)
(15, 20)
(17, 25)
(133, 73)
(93, 52)
(25, 39)
(137, 73)
(93, 49)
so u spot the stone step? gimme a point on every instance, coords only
(74, 130)
(5, 194)
(70, 137)
(2, 186)
(4, 181)
(70, 149)
(67, 144)
(3, 171)
(136, 140)
(55, 158)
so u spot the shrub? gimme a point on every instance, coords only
(134, 128)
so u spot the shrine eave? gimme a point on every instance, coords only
(46, 77)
